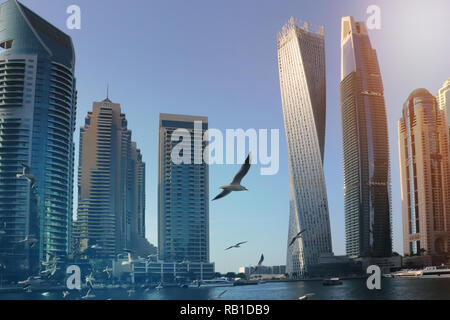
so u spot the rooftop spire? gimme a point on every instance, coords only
(107, 93)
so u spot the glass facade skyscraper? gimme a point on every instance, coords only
(183, 192)
(425, 176)
(37, 120)
(301, 62)
(365, 146)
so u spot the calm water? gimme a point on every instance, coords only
(350, 289)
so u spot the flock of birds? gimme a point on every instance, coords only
(235, 185)
(50, 265)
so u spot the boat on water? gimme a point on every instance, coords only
(410, 273)
(220, 282)
(436, 272)
(332, 282)
(243, 282)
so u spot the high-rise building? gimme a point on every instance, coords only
(365, 146)
(37, 121)
(301, 63)
(444, 100)
(111, 184)
(183, 190)
(425, 175)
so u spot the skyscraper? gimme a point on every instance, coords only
(365, 146)
(183, 192)
(301, 63)
(37, 120)
(444, 100)
(425, 175)
(111, 184)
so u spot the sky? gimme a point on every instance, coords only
(219, 59)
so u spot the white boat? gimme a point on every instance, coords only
(436, 272)
(220, 282)
(407, 274)
(332, 282)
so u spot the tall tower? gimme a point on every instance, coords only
(37, 121)
(301, 63)
(425, 175)
(183, 191)
(365, 146)
(111, 178)
(444, 101)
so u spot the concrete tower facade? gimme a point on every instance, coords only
(425, 176)
(111, 183)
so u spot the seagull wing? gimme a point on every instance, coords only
(241, 243)
(229, 248)
(261, 260)
(292, 241)
(25, 169)
(222, 293)
(222, 194)
(242, 172)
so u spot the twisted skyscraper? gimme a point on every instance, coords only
(301, 62)
(365, 146)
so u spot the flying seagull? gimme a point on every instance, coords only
(235, 185)
(89, 280)
(30, 239)
(221, 294)
(296, 237)
(259, 264)
(26, 174)
(88, 295)
(237, 245)
(306, 296)
(107, 270)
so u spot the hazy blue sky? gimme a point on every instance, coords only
(219, 59)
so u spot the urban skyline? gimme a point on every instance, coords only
(153, 220)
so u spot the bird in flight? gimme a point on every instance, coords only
(107, 270)
(306, 296)
(90, 280)
(237, 245)
(259, 264)
(235, 185)
(29, 239)
(296, 237)
(26, 174)
(221, 294)
(88, 295)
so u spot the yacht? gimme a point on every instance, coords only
(332, 282)
(407, 274)
(220, 282)
(436, 272)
